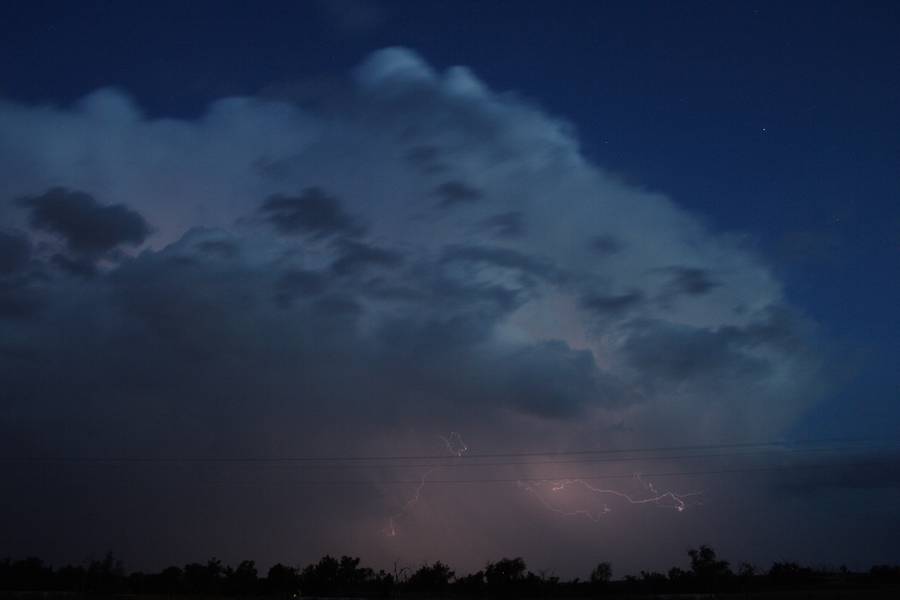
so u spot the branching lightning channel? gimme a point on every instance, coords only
(667, 499)
(455, 447)
(455, 444)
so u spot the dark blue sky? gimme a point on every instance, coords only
(778, 120)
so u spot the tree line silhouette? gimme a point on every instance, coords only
(505, 578)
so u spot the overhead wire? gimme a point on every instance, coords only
(833, 444)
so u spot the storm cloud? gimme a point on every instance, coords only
(313, 211)
(87, 227)
(431, 256)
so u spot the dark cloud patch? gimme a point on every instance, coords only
(692, 281)
(550, 379)
(342, 307)
(686, 281)
(17, 299)
(78, 266)
(15, 252)
(313, 212)
(612, 305)
(299, 283)
(676, 353)
(606, 245)
(508, 225)
(356, 256)
(274, 169)
(184, 300)
(453, 193)
(426, 158)
(22, 354)
(445, 315)
(490, 300)
(680, 353)
(225, 249)
(89, 228)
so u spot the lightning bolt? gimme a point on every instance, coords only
(455, 447)
(391, 529)
(666, 499)
(455, 444)
(558, 486)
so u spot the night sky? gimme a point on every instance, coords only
(572, 281)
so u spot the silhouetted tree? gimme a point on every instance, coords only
(330, 577)
(25, 575)
(471, 584)
(432, 579)
(321, 578)
(710, 572)
(71, 578)
(282, 580)
(242, 580)
(705, 564)
(789, 574)
(885, 574)
(169, 581)
(746, 575)
(505, 571)
(136, 582)
(601, 574)
(505, 576)
(383, 585)
(351, 577)
(204, 579)
(105, 576)
(652, 582)
(679, 579)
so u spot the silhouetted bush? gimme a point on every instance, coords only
(505, 578)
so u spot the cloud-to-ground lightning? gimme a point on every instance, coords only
(455, 447)
(668, 499)
(391, 528)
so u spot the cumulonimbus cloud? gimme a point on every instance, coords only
(411, 248)
(509, 244)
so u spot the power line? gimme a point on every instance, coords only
(583, 477)
(464, 464)
(472, 458)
